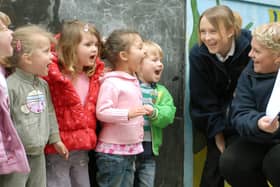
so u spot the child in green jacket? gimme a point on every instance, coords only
(162, 112)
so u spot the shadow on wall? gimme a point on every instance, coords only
(42, 12)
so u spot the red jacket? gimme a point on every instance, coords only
(77, 123)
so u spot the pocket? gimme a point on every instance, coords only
(29, 132)
(108, 163)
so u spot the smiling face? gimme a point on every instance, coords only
(217, 40)
(87, 50)
(40, 57)
(152, 67)
(5, 40)
(263, 57)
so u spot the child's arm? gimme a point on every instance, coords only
(54, 137)
(54, 133)
(106, 109)
(137, 111)
(164, 108)
(61, 149)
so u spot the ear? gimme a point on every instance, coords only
(26, 58)
(277, 60)
(123, 55)
(230, 33)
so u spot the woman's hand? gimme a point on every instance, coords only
(265, 124)
(220, 142)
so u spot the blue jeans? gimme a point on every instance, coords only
(145, 171)
(115, 170)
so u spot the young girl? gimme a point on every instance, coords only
(215, 65)
(120, 110)
(12, 154)
(73, 80)
(31, 108)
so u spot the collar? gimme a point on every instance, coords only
(152, 85)
(230, 53)
(29, 77)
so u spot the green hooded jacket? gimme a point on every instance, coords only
(165, 114)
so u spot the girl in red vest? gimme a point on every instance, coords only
(73, 81)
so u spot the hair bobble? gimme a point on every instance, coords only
(86, 27)
(18, 46)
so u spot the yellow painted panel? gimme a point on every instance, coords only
(199, 159)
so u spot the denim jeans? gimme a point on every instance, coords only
(145, 171)
(115, 170)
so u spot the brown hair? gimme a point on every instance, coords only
(222, 15)
(119, 40)
(68, 42)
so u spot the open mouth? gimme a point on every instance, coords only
(211, 45)
(92, 57)
(157, 72)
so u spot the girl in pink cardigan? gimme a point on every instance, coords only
(120, 110)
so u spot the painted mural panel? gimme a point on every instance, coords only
(261, 2)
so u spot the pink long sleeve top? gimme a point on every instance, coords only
(118, 93)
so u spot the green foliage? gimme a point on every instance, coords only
(249, 25)
(194, 35)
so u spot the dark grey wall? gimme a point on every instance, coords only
(162, 21)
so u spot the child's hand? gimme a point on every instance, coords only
(137, 111)
(61, 149)
(265, 124)
(220, 142)
(149, 109)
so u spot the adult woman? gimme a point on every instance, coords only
(215, 65)
(254, 157)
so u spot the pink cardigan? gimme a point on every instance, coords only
(12, 153)
(118, 93)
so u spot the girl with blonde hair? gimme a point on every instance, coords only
(30, 104)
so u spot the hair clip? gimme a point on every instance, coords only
(86, 27)
(18, 46)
